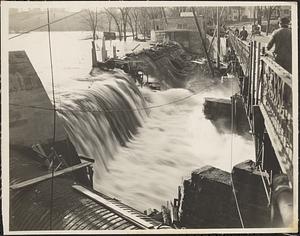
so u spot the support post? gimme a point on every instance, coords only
(258, 130)
(253, 78)
(204, 44)
(257, 73)
(94, 56)
(249, 80)
(114, 52)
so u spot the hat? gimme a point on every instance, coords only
(284, 21)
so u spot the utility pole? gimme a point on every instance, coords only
(203, 43)
(218, 39)
(165, 18)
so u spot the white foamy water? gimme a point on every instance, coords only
(174, 140)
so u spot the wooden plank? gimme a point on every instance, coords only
(284, 160)
(85, 158)
(116, 209)
(48, 176)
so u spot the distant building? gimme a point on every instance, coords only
(239, 13)
(182, 30)
(285, 11)
(186, 22)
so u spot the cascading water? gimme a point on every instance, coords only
(175, 140)
(141, 159)
(100, 119)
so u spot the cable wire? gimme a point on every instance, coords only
(54, 120)
(49, 23)
(231, 149)
(114, 110)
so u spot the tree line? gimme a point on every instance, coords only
(137, 20)
(141, 20)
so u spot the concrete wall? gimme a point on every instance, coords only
(29, 125)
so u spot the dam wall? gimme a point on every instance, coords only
(30, 109)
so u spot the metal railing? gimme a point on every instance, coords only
(276, 100)
(241, 49)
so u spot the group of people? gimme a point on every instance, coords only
(281, 40)
(243, 34)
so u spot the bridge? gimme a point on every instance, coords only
(266, 92)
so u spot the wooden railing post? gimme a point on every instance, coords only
(262, 81)
(253, 76)
(250, 81)
(258, 74)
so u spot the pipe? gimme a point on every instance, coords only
(282, 201)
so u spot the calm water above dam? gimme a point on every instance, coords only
(160, 146)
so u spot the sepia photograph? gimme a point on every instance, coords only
(149, 117)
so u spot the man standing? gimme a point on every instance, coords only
(243, 34)
(282, 39)
(236, 32)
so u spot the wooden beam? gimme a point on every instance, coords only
(85, 158)
(116, 209)
(203, 43)
(49, 176)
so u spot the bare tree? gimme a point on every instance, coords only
(135, 17)
(124, 14)
(91, 19)
(153, 13)
(175, 11)
(270, 12)
(109, 20)
(130, 22)
(239, 13)
(115, 16)
(144, 22)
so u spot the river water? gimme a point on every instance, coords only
(141, 155)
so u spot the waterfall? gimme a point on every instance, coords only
(102, 118)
